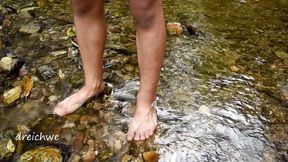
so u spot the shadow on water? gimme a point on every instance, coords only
(223, 94)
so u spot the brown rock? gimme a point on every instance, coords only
(74, 158)
(12, 95)
(174, 28)
(87, 119)
(150, 156)
(78, 141)
(234, 68)
(89, 156)
(126, 158)
(73, 118)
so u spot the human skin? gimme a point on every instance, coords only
(151, 42)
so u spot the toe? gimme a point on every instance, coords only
(130, 136)
(142, 136)
(137, 137)
(131, 132)
(147, 134)
(150, 132)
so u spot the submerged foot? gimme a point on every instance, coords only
(143, 123)
(76, 100)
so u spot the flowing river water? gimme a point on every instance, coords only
(223, 93)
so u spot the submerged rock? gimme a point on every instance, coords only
(150, 156)
(124, 96)
(128, 92)
(76, 80)
(7, 147)
(74, 158)
(234, 68)
(41, 154)
(6, 63)
(284, 95)
(30, 28)
(12, 95)
(45, 72)
(281, 54)
(126, 158)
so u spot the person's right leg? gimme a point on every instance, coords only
(91, 36)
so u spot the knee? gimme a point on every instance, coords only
(83, 7)
(143, 12)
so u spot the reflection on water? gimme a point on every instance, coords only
(223, 93)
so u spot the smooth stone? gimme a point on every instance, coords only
(30, 28)
(124, 96)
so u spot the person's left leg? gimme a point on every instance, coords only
(151, 42)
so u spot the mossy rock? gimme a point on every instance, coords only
(7, 146)
(42, 154)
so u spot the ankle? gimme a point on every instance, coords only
(145, 99)
(95, 87)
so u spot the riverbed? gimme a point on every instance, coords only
(222, 95)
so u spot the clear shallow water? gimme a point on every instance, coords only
(208, 111)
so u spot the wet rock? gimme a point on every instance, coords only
(27, 85)
(117, 145)
(284, 95)
(73, 118)
(204, 109)
(68, 125)
(138, 159)
(89, 156)
(132, 87)
(6, 63)
(1, 44)
(12, 95)
(106, 115)
(41, 154)
(105, 155)
(76, 80)
(174, 28)
(108, 89)
(45, 72)
(52, 98)
(78, 141)
(130, 68)
(7, 147)
(87, 119)
(126, 158)
(128, 92)
(117, 142)
(74, 158)
(119, 49)
(123, 96)
(234, 68)
(281, 54)
(192, 30)
(14, 72)
(150, 156)
(30, 28)
(36, 93)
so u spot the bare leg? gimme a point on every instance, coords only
(91, 35)
(151, 42)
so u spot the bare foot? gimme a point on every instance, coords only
(143, 124)
(76, 100)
